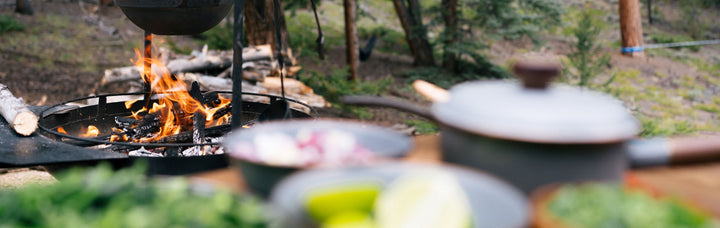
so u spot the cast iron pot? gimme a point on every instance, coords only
(532, 133)
(175, 17)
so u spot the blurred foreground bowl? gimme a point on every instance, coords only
(261, 177)
(493, 203)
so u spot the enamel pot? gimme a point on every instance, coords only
(532, 132)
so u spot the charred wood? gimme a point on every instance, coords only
(196, 94)
(147, 125)
(211, 99)
(125, 122)
(222, 111)
(198, 135)
(187, 136)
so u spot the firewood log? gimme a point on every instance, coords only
(203, 61)
(13, 109)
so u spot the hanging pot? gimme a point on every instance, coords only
(175, 17)
(532, 132)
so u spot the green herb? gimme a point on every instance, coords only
(597, 205)
(101, 197)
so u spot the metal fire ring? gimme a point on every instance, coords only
(102, 101)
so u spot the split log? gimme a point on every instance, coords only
(13, 109)
(203, 61)
(222, 84)
(291, 86)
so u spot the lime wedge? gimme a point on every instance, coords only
(350, 219)
(323, 203)
(431, 198)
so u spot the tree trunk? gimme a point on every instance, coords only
(449, 14)
(23, 7)
(260, 25)
(411, 21)
(351, 44)
(631, 28)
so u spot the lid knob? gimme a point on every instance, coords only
(536, 72)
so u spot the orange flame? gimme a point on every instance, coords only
(175, 107)
(92, 131)
(61, 130)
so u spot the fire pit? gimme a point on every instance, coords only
(185, 152)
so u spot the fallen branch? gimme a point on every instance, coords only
(13, 109)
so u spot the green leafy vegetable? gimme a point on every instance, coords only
(101, 197)
(597, 205)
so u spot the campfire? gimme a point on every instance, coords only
(176, 115)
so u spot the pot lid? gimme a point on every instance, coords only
(535, 110)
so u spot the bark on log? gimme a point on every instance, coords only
(13, 109)
(212, 60)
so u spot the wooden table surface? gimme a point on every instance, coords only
(698, 184)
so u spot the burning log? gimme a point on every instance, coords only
(222, 111)
(13, 109)
(196, 94)
(198, 130)
(147, 125)
(211, 99)
(198, 127)
(125, 122)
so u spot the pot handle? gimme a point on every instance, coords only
(431, 91)
(670, 151)
(376, 101)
